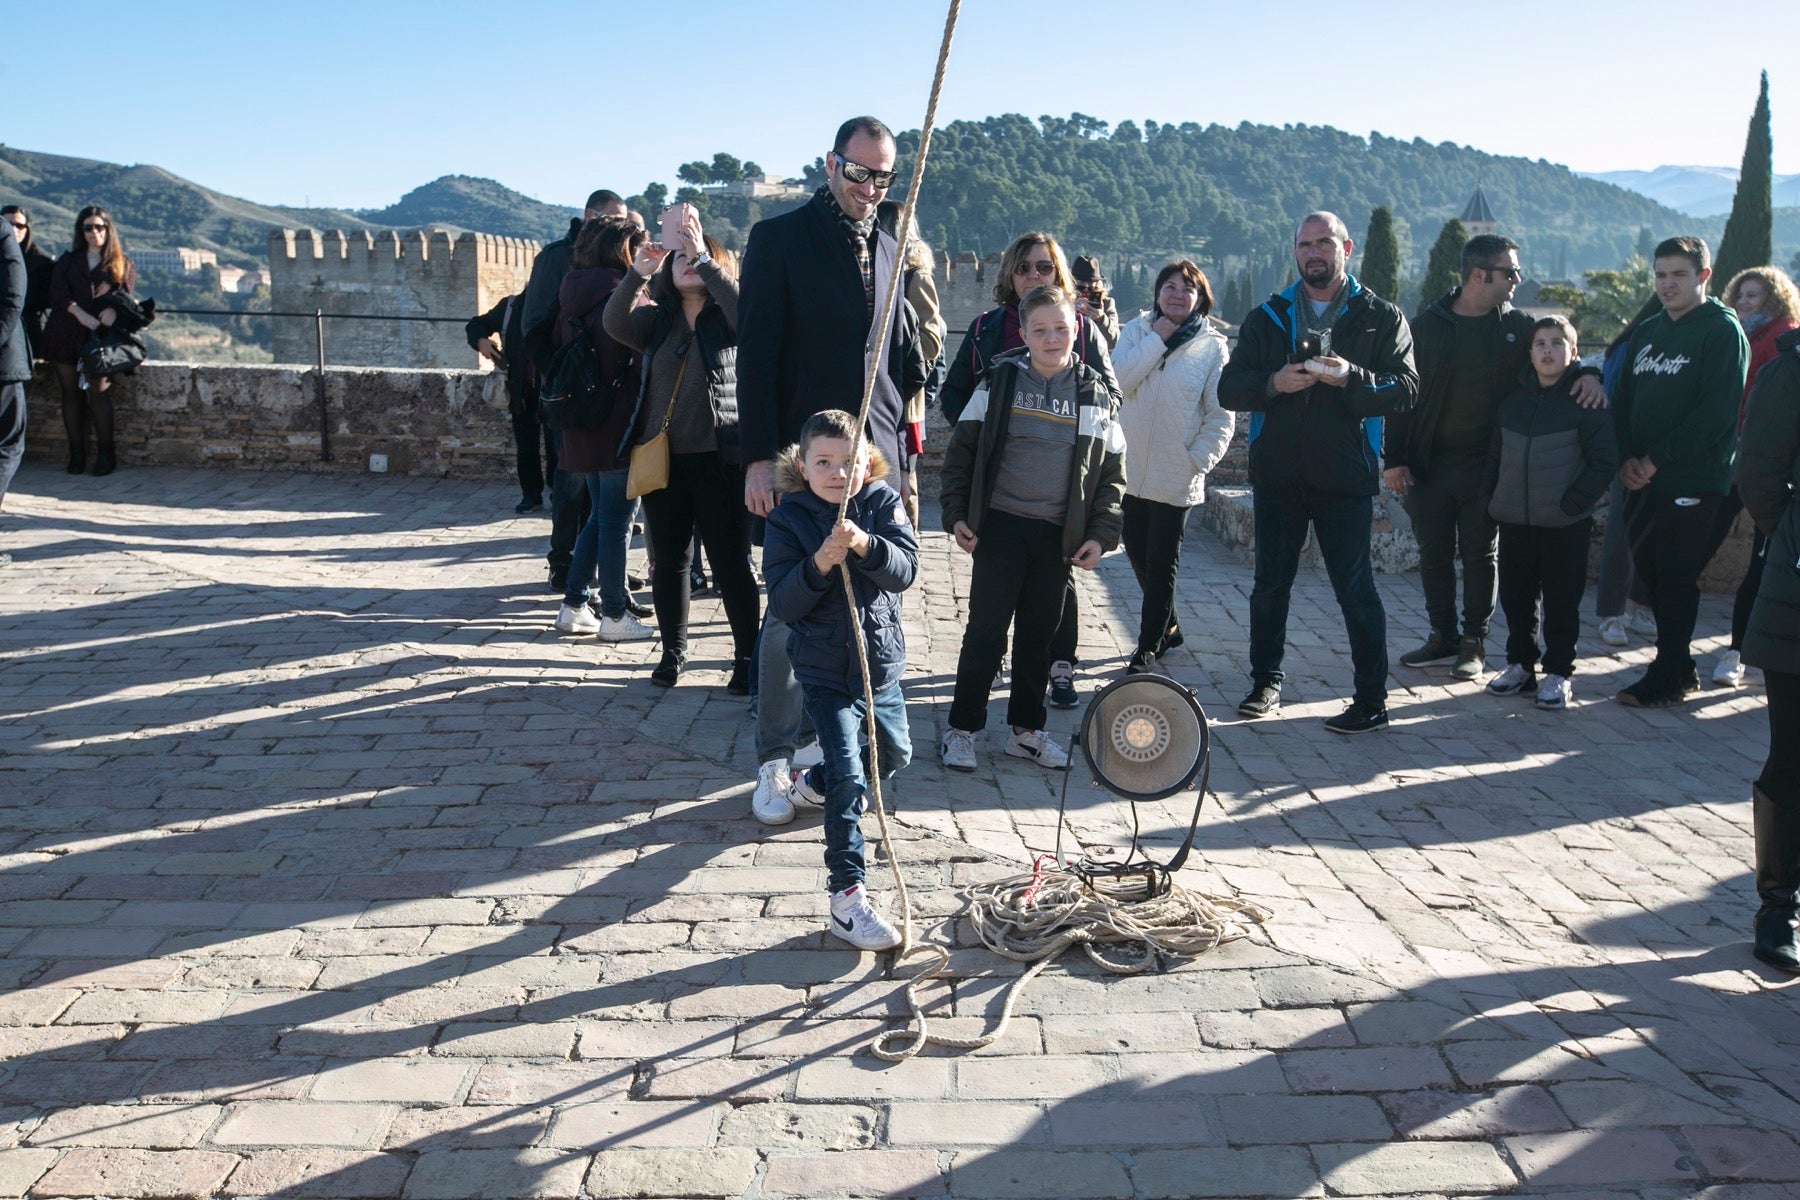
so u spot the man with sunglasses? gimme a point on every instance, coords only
(812, 281)
(1470, 346)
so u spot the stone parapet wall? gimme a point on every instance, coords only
(427, 423)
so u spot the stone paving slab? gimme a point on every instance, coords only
(328, 869)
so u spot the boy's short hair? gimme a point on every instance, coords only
(1042, 297)
(832, 423)
(1691, 248)
(1558, 321)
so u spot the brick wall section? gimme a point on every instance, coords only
(428, 423)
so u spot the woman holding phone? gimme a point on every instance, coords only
(687, 342)
(1033, 260)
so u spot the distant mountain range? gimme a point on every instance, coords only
(1697, 191)
(158, 209)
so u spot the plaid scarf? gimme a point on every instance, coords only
(860, 233)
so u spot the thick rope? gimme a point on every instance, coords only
(878, 344)
(1033, 918)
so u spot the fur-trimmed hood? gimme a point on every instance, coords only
(787, 469)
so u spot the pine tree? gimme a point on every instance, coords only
(1381, 256)
(1749, 231)
(1443, 271)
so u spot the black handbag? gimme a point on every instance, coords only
(110, 353)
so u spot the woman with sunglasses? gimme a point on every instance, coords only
(1033, 260)
(687, 339)
(38, 266)
(92, 270)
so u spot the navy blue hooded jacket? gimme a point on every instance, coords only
(1328, 437)
(813, 605)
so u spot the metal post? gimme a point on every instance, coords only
(324, 415)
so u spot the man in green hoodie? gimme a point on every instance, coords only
(1676, 417)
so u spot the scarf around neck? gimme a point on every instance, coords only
(858, 233)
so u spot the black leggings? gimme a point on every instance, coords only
(1153, 534)
(705, 493)
(1780, 779)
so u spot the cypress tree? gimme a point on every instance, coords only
(1443, 271)
(1749, 231)
(1381, 256)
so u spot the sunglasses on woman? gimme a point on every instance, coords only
(1043, 268)
(94, 227)
(857, 173)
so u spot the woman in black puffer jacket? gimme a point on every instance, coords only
(687, 339)
(1768, 473)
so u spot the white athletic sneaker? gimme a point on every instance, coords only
(1512, 681)
(1612, 631)
(802, 794)
(773, 801)
(855, 920)
(1555, 692)
(1036, 745)
(958, 750)
(1643, 622)
(624, 628)
(1730, 671)
(809, 755)
(580, 619)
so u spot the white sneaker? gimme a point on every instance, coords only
(1730, 671)
(855, 920)
(1555, 692)
(1643, 622)
(1036, 745)
(1512, 681)
(773, 801)
(579, 619)
(802, 794)
(809, 755)
(1612, 631)
(623, 628)
(958, 750)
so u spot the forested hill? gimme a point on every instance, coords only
(467, 202)
(1224, 193)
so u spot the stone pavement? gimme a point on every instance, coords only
(328, 869)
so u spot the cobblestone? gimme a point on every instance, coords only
(328, 870)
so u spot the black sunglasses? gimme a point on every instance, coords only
(857, 173)
(1510, 272)
(91, 226)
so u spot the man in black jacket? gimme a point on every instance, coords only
(1316, 367)
(1471, 346)
(509, 355)
(15, 362)
(813, 279)
(537, 319)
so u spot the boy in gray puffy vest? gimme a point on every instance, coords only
(1550, 462)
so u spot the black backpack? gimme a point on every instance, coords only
(576, 394)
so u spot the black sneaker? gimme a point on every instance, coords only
(559, 580)
(1264, 700)
(1174, 637)
(1062, 685)
(1360, 717)
(640, 611)
(1659, 689)
(739, 684)
(669, 669)
(1142, 662)
(1471, 659)
(528, 506)
(1437, 649)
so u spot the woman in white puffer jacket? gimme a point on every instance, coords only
(1168, 361)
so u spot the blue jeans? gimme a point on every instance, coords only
(601, 544)
(1343, 525)
(839, 720)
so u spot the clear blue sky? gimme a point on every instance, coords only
(353, 104)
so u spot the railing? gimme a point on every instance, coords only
(317, 316)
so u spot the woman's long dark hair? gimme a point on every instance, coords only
(28, 245)
(112, 257)
(662, 284)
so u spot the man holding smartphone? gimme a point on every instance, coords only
(812, 281)
(1316, 367)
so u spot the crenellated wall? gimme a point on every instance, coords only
(422, 273)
